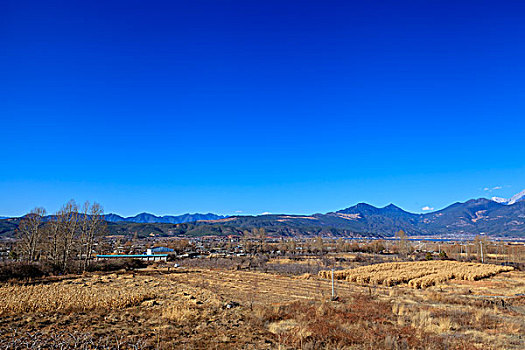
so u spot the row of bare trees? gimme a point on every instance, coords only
(68, 235)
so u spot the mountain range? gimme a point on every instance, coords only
(476, 216)
(167, 219)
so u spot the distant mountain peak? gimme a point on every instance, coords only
(363, 204)
(359, 207)
(518, 197)
(392, 207)
(500, 200)
(365, 209)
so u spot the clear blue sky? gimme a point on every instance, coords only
(260, 106)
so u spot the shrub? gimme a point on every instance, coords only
(20, 270)
(362, 322)
(443, 255)
(114, 265)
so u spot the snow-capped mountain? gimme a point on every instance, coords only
(500, 200)
(518, 197)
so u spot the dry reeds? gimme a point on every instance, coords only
(67, 298)
(421, 274)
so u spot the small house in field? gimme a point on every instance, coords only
(159, 250)
(152, 254)
(145, 257)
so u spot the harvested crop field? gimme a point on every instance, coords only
(229, 309)
(69, 297)
(419, 274)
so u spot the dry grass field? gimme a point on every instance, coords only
(418, 274)
(204, 308)
(69, 296)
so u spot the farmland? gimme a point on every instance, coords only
(216, 307)
(420, 274)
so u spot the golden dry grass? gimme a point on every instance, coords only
(189, 310)
(62, 297)
(294, 261)
(420, 274)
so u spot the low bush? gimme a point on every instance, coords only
(26, 271)
(362, 322)
(21, 270)
(117, 264)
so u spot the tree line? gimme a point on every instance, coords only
(67, 237)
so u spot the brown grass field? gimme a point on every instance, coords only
(204, 308)
(417, 274)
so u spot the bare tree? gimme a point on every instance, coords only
(30, 233)
(67, 235)
(318, 245)
(69, 221)
(92, 225)
(54, 233)
(246, 242)
(404, 245)
(261, 237)
(340, 245)
(85, 229)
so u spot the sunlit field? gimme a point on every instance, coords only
(420, 274)
(198, 308)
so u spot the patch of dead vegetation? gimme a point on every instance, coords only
(420, 274)
(224, 309)
(77, 296)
